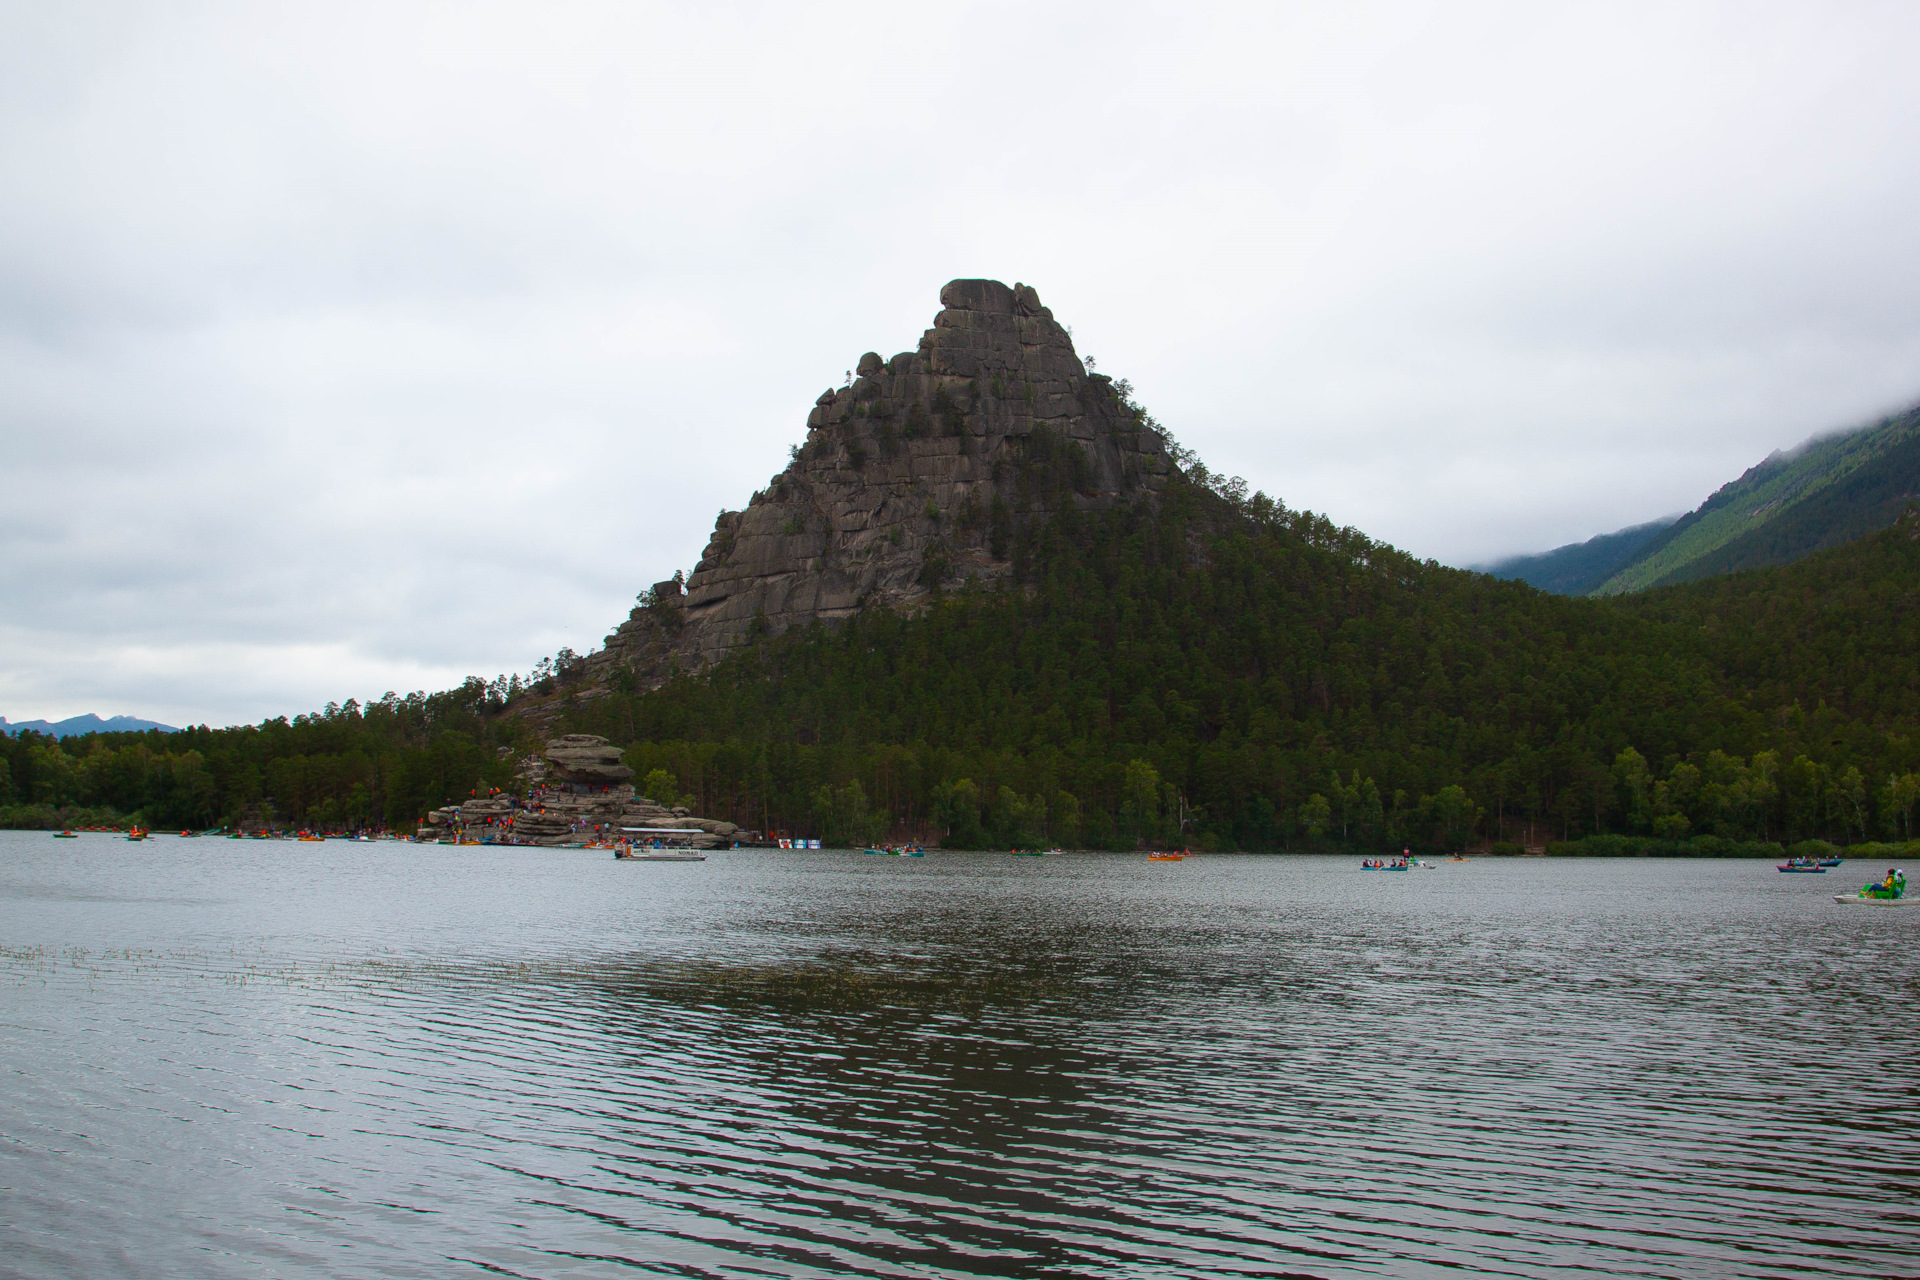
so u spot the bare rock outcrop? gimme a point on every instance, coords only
(585, 758)
(925, 470)
(578, 794)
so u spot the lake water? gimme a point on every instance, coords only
(278, 1059)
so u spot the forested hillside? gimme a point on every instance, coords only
(1266, 680)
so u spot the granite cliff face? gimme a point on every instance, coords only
(925, 470)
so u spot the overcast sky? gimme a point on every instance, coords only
(354, 348)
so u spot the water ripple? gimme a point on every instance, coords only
(416, 1062)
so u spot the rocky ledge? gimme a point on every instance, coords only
(923, 471)
(576, 792)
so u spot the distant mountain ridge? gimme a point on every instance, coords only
(74, 726)
(1578, 567)
(1829, 491)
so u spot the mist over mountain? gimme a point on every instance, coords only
(1578, 567)
(1828, 492)
(1825, 493)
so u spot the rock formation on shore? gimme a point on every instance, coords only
(576, 792)
(925, 470)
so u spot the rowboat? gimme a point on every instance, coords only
(65, 835)
(1788, 868)
(1166, 857)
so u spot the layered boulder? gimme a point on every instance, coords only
(577, 792)
(585, 758)
(925, 470)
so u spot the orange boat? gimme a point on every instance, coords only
(1167, 857)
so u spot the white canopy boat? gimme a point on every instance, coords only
(663, 844)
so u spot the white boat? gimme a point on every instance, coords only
(1863, 900)
(664, 844)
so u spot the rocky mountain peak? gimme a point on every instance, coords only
(925, 470)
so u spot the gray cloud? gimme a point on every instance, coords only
(359, 348)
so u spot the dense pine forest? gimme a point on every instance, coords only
(1215, 671)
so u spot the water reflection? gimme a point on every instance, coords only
(923, 1112)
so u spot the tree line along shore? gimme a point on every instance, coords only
(1207, 670)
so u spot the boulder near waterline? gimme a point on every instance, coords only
(577, 792)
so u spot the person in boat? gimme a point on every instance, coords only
(1895, 883)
